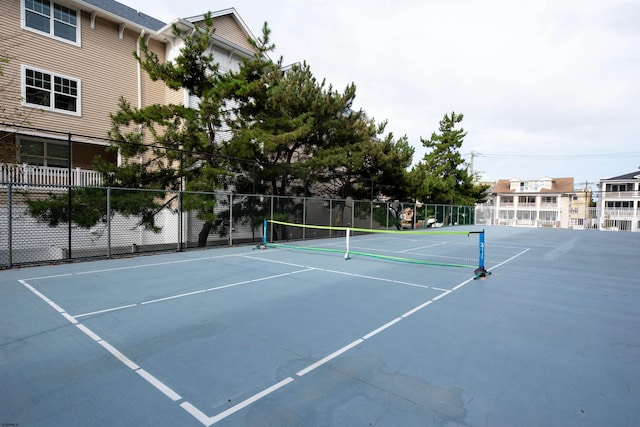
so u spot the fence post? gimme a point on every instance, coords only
(10, 225)
(230, 219)
(69, 204)
(180, 236)
(109, 222)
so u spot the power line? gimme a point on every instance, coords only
(600, 156)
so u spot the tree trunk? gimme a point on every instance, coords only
(204, 234)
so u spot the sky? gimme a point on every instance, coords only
(548, 88)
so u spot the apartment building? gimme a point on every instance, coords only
(541, 202)
(618, 206)
(70, 62)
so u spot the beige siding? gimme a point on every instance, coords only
(227, 28)
(104, 64)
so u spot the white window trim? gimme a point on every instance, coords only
(44, 141)
(78, 42)
(23, 92)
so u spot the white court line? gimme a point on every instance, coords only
(423, 247)
(382, 328)
(329, 357)
(413, 310)
(159, 385)
(509, 259)
(249, 401)
(89, 332)
(442, 295)
(121, 357)
(155, 264)
(52, 304)
(122, 307)
(48, 277)
(187, 294)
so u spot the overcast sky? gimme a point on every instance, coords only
(546, 87)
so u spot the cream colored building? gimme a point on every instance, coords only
(70, 62)
(541, 202)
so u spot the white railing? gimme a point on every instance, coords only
(23, 174)
(619, 212)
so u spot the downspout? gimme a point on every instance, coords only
(139, 77)
(139, 69)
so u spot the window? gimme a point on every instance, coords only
(618, 187)
(50, 91)
(44, 153)
(506, 200)
(527, 200)
(52, 19)
(619, 204)
(551, 200)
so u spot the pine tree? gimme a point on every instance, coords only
(442, 177)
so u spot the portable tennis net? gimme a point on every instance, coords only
(430, 247)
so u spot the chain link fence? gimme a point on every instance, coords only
(104, 222)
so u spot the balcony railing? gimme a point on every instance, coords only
(621, 212)
(23, 174)
(614, 195)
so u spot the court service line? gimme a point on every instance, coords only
(186, 294)
(423, 247)
(345, 273)
(159, 385)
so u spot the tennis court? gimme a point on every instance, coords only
(286, 337)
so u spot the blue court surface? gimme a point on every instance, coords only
(279, 337)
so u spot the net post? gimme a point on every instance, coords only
(481, 271)
(346, 254)
(263, 244)
(264, 232)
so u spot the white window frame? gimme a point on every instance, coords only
(46, 144)
(52, 21)
(51, 106)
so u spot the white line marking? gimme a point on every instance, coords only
(455, 288)
(382, 328)
(423, 247)
(159, 385)
(271, 277)
(412, 284)
(512, 258)
(329, 357)
(49, 277)
(373, 278)
(69, 317)
(88, 332)
(173, 297)
(122, 307)
(274, 261)
(413, 310)
(344, 273)
(52, 304)
(441, 290)
(442, 295)
(121, 357)
(106, 270)
(215, 288)
(249, 401)
(196, 413)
